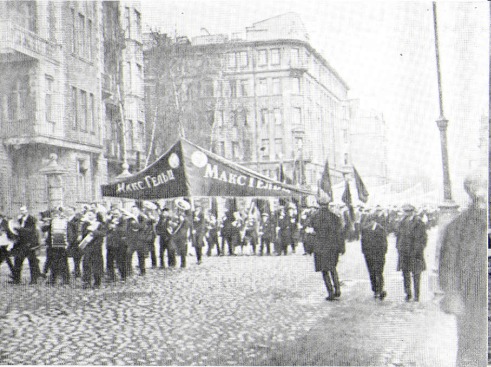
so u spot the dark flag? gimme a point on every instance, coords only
(360, 187)
(325, 184)
(347, 200)
(214, 207)
(284, 178)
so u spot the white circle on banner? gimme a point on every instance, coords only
(174, 160)
(199, 159)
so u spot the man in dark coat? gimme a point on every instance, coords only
(329, 243)
(462, 272)
(74, 238)
(288, 230)
(163, 231)
(93, 232)
(199, 233)
(26, 246)
(410, 244)
(266, 233)
(212, 234)
(116, 249)
(136, 239)
(374, 248)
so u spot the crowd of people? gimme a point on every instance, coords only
(165, 234)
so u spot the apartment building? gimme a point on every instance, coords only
(276, 101)
(52, 60)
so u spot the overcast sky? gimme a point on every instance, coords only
(385, 52)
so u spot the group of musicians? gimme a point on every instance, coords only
(80, 235)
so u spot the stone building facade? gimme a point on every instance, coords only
(276, 101)
(51, 101)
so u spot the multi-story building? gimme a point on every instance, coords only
(52, 60)
(276, 101)
(368, 142)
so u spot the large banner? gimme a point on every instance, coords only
(189, 170)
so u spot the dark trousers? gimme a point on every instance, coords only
(331, 281)
(141, 253)
(77, 260)
(153, 253)
(116, 256)
(5, 256)
(171, 253)
(375, 265)
(59, 265)
(230, 243)
(183, 260)
(212, 242)
(407, 283)
(92, 266)
(253, 242)
(199, 253)
(23, 252)
(265, 242)
(49, 260)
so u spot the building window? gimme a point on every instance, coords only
(127, 77)
(278, 148)
(81, 179)
(345, 136)
(138, 20)
(247, 149)
(219, 89)
(243, 88)
(89, 39)
(263, 86)
(130, 134)
(91, 113)
(221, 148)
(295, 85)
(294, 56)
(232, 61)
(277, 116)
(83, 110)
(296, 116)
(74, 112)
(207, 88)
(48, 101)
(233, 88)
(263, 57)
(243, 59)
(275, 56)
(141, 134)
(346, 158)
(24, 100)
(81, 35)
(51, 21)
(276, 86)
(219, 118)
(235, 150)
(264, 149)
(264, 116)
(127, 18)
(74, 31)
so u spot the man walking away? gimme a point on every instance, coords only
(329, 243)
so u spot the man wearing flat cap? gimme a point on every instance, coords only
(328, 244)
(410, 244)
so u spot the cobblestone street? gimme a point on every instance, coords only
(245, 310)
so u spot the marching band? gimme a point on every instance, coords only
(82, 236)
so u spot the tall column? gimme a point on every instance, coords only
(55, 183)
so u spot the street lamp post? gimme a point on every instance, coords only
(448, 208)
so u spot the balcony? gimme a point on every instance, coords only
(17, 40)
(108, 86)
(16, 129)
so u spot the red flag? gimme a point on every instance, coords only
(360, 187)
(347, 200)
(325, 185)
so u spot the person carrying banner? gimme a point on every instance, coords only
(212, 234)
(135, 239)
(199, 233)
(266, 233)
(329, 244)
(181, 229)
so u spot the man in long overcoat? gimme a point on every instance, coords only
(374, 248)
(410, 244)
(463, 274)
(328, 244)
